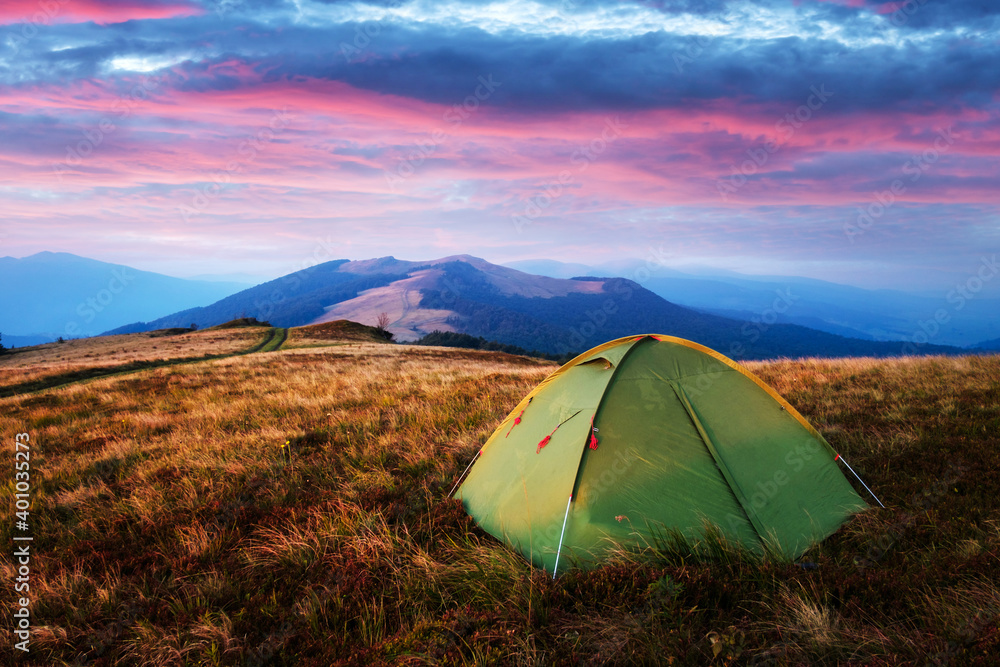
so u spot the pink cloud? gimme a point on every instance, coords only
(46, 12)
(175, 142)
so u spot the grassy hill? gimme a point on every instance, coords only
(169, 528)
(327, 333)
(52, 364)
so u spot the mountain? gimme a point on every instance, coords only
(989, 345)
(52, 294)
(555, 269)
(468, 295)
(25, 341)
(968, 315)
(362, 290)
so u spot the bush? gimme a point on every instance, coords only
(381, 326)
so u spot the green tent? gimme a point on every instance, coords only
(647, 433)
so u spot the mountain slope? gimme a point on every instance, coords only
(59, 294)
(818, 304)
(579, 321)
(469, 295)
(991, 345)
(293, 300)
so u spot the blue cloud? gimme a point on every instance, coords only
(541, 72)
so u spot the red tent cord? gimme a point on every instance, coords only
(517, 419)
(546, 439)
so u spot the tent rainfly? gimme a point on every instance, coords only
(650, 433)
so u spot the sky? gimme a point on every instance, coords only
(855, 140)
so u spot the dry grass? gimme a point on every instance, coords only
(170, 531)
(338, 332)
(31, 363)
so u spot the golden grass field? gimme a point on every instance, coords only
(169, 530)
(58, 358)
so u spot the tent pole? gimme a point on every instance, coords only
(555, 568)
(838, 456)
(463, 473)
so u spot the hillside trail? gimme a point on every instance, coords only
(272, 341)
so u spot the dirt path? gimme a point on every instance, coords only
(272, 341)
(277, 339)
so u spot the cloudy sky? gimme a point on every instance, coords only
(856, 140)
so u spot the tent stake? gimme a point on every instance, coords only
(838, 456)
(555, 568)
(463, 473)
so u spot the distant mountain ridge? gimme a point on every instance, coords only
(990, 345)
(885, 315)
(52, 294)
(464, 294)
